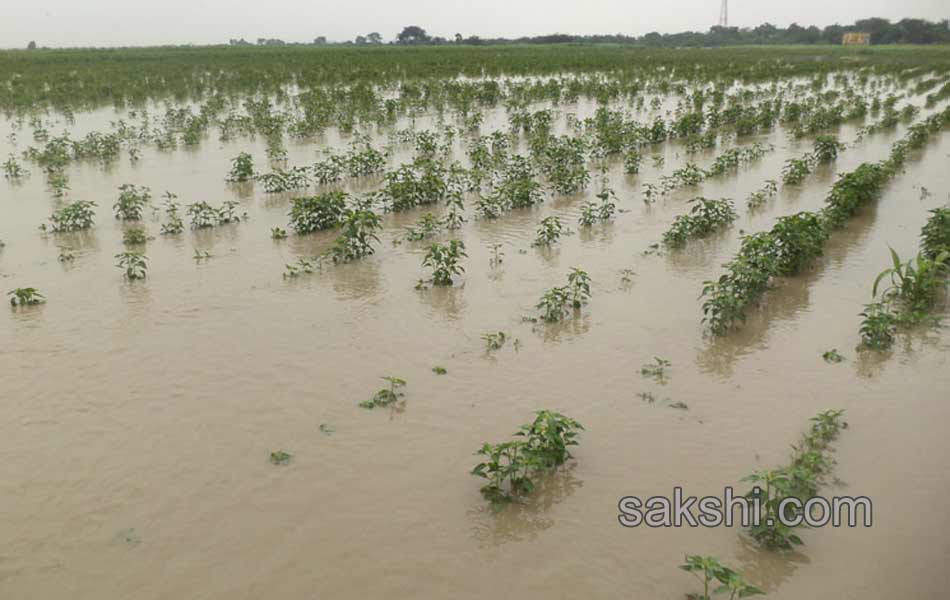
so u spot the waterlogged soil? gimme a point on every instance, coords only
(139, 417)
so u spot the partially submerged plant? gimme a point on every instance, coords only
(276, 233)
(74, 216)
(578, 284)
(135, 264)
(800, 480)
(444, 259)
(553, 304)
(705, 217)
(709, 571)
(832, 356)
(386, 396)
(134, 236)
(935, 235)
(303, 266)
(427, 226)
(26, 296)
(280, 457)
(511, 466)
(357, 234)
(549, 231)
(132, 202)
(494, 341)
(557, 302)
(242, 168)
(12, 169)
(314, 213)
(827, 149)
(656, 369)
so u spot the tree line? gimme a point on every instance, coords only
(882, 31)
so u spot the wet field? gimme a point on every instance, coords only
(139, 415)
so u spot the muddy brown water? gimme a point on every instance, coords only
(138, 417)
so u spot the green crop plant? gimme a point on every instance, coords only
(494, 341)
(878, 326)
(135, 264)
(74, 216)
(426, 227)
(510, 467)
(650, 193)
(417, 184)
(303, 266)
(800, 479)
(276, 233)
(26, 297)
(296, 178)
(757, 198)
(439, 370)
(657, 369)
(12, 169)
(315, 213)
(357, 234)
(914, 285)
(631, 162)
(387, 396)
(66, 256)
(497, 256)
(58, 183)
(175, 225)
(444, 259)
(227, 213)
(935, 235)
(242, 168)
(553, 304)
(608, 205)
(578, 285)
(705, 217)
(134, 236)
(563, 162)
(455, 215)
(202, 215)
(711, 572)
(827, 149)
(796, 170)
(588, 214)
(131, 202)
(280, 457)
(689, 175)
(549, 231)
(832, 356)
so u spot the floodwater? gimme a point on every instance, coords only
(139, 417)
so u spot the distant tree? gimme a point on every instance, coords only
(374, 38)
(31, 46)
(320, 41)
(361, 39)
(413, 34)
(458, 38)
(832, 34)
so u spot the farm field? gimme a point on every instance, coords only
(265, 306)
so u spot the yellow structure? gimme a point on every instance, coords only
(856, 39)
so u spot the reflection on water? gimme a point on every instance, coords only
(766, 569)
(524, 519)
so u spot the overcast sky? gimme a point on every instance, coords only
(151, 22)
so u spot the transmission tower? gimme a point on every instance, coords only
(724, 14)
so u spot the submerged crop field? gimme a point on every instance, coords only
(412, 322)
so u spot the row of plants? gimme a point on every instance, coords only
(794, 241)
(906, 293)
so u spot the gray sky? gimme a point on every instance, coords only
(151, 22)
